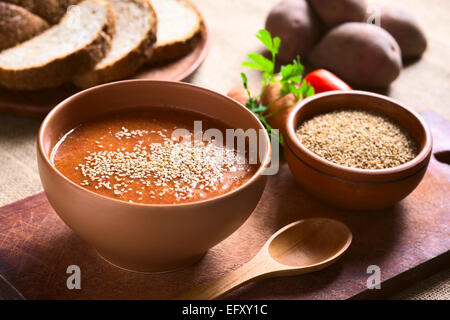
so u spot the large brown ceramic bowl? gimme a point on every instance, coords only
(349, 188)
(144, 237)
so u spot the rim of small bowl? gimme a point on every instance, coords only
(418, 159)
(45, 123)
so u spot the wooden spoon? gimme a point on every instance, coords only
(300, 247)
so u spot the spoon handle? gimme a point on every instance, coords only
(254, 269)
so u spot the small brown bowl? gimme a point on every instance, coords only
(350, 188)
(147, 237)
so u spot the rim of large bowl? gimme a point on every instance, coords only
(299, 147)
(45, 123)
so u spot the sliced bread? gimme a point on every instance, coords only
(76, 44)
(18, 24)
(50, 10)
(131, 45)
(179, 28)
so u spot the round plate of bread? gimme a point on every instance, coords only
(50, 49)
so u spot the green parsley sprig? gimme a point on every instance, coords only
(290, 77)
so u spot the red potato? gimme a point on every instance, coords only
(404, 27)
(361, 54)
(334, 12)
(297, 26)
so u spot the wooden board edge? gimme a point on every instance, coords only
(8, 291)
(406, 279)
(17, 203)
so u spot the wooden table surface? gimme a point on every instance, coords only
(233, 23)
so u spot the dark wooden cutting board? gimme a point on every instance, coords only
(408, 242)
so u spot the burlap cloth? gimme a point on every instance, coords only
(233, 24)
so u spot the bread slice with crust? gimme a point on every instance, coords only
(131, 44)
(179, 29)
(50, 10)
(76, 44)
(18, 25)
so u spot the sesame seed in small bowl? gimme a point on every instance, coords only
(357, 150)
(143, 172)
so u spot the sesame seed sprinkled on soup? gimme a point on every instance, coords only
(134, 156)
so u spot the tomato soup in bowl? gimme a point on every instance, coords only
(151, 173)
(137, 156)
